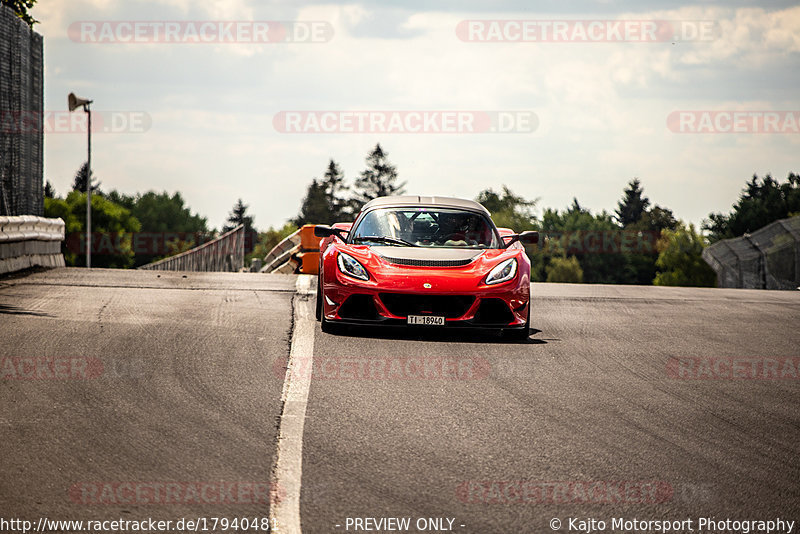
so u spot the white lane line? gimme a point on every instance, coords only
(285, 506)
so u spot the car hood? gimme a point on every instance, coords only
(427, 257)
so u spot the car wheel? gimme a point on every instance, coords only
(523, 333)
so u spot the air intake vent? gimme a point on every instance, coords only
(494, 312)
(427, 262)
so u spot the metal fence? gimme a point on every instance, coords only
(224, 254)
(21, 105)
(768, 258)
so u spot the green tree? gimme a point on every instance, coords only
(161, 214)
(324, 202)
(20, 8)
(237, 216)
(379, 179)
(269, 238)
(680, 261)
(112, 225)
(642, 224)
(655, 219)
(640, 265)
(562, 269)
(509, 210)
(762, 201)
(49, 190)
(335, 191)
(633, 204)
(79, 182)
(592, 239)
(315, 208)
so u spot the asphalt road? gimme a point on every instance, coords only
(587, 406)
(171, 385)
(620, 405)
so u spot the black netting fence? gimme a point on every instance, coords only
(768, 258)
(21, 96)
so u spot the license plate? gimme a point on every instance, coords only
(428, 320)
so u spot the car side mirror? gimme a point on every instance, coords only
(529, 237)
(323, 230)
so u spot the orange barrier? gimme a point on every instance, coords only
(309, 250)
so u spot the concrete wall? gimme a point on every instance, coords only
(29, 241)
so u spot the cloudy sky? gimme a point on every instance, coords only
(600, 104)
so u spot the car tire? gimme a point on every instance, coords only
(521, 334)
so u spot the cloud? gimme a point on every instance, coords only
(602, 107)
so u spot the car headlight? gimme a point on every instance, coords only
(503, 272)
(349, 265)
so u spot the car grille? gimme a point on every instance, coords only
(427, 263)
(450, 306)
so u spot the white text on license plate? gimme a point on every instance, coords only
(434, 320)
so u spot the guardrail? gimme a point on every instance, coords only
(28, 241)
(279, 259)
(223, 254)
(297, 253)
(769, 258)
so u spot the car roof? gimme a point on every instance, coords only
(413, 200)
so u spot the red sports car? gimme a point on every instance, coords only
(429, 261)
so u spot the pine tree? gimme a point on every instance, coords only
(334, 188)
(633, 204)
(378, 180)
(49, 190)
(762, 201)
(315, 208)
(79, 182)
(239, 216)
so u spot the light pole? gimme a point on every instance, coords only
(74, 102)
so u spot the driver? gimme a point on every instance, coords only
(451, 231)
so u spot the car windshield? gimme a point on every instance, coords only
(425, 227)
